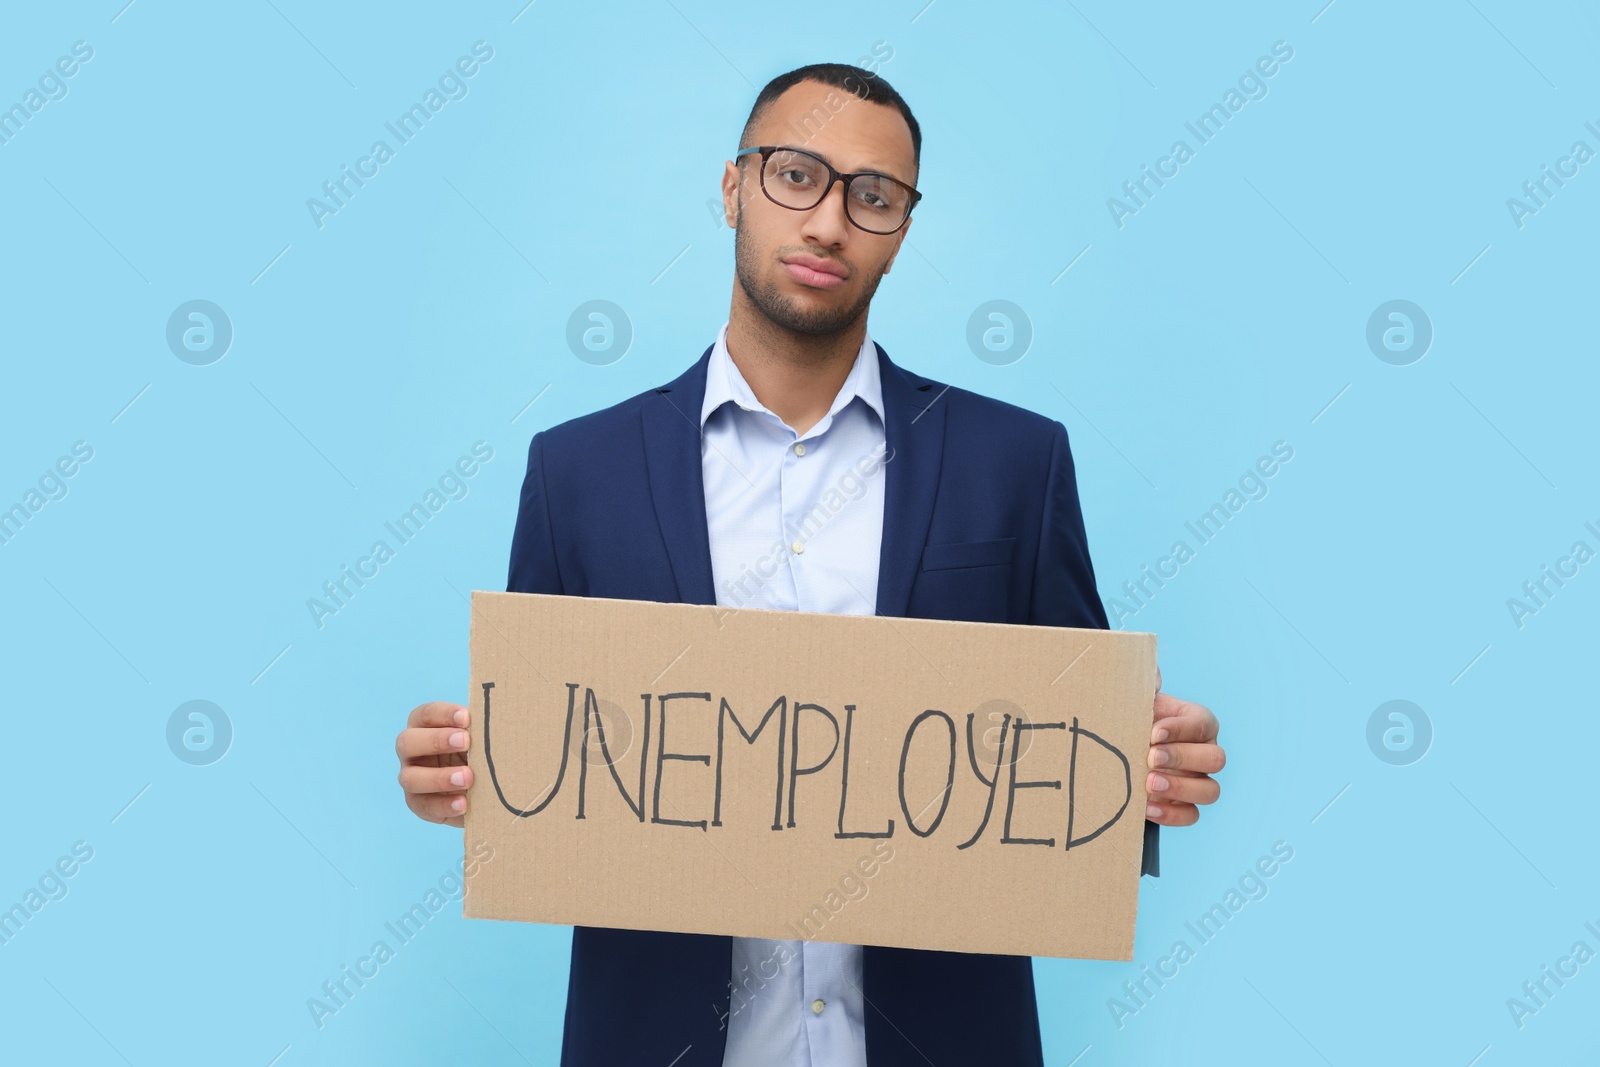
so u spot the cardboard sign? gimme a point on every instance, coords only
(963, 786)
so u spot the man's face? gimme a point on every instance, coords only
(852, 135)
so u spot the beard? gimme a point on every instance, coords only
(784, 311)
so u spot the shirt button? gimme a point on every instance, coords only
(799, 547)
(817, 1006)
(799, 449)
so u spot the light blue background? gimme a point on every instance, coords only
(1228, 314)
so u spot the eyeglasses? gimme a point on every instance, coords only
(800, 181)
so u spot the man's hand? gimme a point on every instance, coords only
(1183, 755)
(433, 762)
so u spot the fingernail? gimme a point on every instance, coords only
(1159, 757)
(460, 778)
(1161, 732)
(1151, 811)
(1158, 784)
(458, 739)
(459, 804)
(460, 717)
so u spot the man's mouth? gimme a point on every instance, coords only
(815, 272)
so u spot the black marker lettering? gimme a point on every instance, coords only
(644, 752)
(1011, 795)
(583, 753)
(566, 745)
(795, 770)
(992, 783)
(725, 712)
(950, 777)
(591, 701)
(844, 783)
(663, 754)
(1127, 780)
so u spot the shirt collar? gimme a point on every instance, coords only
(724, 383)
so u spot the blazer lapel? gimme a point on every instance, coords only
(672, 454)
(914, 438)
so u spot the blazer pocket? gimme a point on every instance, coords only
(967, 554)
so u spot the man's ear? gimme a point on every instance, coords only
(731, 176)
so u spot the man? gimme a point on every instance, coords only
(705, 491)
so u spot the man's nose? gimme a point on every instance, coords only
(827, 224)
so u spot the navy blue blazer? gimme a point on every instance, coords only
(981, 523)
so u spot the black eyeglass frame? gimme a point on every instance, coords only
(834, 176)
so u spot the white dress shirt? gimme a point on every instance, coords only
(796, 524)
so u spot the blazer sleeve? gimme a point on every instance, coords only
(533, 549)
(1064, 592)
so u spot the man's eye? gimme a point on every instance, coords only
(794, 176)
(874, 194)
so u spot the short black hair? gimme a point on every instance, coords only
(861, 83)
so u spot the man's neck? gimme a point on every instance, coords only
(797, 376)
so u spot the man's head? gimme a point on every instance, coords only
(854, 121)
